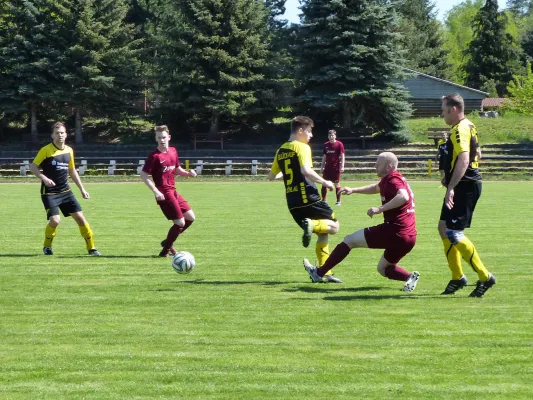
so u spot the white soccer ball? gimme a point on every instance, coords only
(183, 262)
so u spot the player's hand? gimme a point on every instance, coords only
(330, 185)
(192, 173)
(84, 194)
(448, 199)
(342, 170)
(373, 211)
(346, 191)
(158, 195)
(48, 182)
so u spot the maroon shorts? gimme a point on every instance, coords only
(174, 206)
(333, 175)
(384, 236)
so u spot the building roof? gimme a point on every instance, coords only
(445, 81)
(492, 101)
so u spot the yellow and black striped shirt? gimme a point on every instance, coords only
(463, 138)
(289, 159)
(55, 164)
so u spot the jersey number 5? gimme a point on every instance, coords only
(288, 172)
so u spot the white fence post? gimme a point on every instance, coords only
(140, 167)
(83, 167)
(254, 167)
(111, 168)
(228, 167)
(24, 168)
(199, 167)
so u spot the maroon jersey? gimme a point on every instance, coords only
(403, 218)
(161, 166)
(333, 153)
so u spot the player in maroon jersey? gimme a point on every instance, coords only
(163, 164)
(397, 235)
(332, 164)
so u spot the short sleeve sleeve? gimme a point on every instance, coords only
(71, 164)
(275, 167)
(148, 164)
(461, 139)
(40, 157)
(304, 155)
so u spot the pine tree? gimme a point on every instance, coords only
(29, 57)
(422, 38)
(350, 64)
(214, 58)
(493, 56)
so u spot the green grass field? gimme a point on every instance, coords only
(247, 323)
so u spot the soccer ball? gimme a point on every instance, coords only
(183, 262)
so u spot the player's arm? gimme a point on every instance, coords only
(275, 172)
(272, 176)
(310, 174)
(399, 200)
(461, 165)
(183, 172)
(368, 189)
(323, 164)
(145, 177)
(35, 170)
(76, 179)
(341, 160)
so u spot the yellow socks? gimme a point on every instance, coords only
(454, 259)
(320, 226)
(49, 235)
(87, 234)
(322, 254)
(471, 256)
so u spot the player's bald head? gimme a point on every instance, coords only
(389, 158)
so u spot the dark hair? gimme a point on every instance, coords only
(58, 125)
(454, 100)
(332, 132)
(301, 122)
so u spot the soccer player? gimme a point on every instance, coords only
(293, 161)
(463, 189)
(332, 164)
(57, 163)
(397, 235)
(163, 164)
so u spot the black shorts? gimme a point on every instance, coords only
(66, 202)
(466, 195)
(318, 210)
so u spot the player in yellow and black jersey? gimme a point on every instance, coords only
(56, 160)
(463, 189)
(294, 163)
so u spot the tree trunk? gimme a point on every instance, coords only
(346, 115)
(213, 129)
(33, 123)
(79, 133)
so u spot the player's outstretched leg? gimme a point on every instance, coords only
(311, 270)
(410, 283)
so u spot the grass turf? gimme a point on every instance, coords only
(246, 323)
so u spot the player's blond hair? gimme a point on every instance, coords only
(161, 128)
